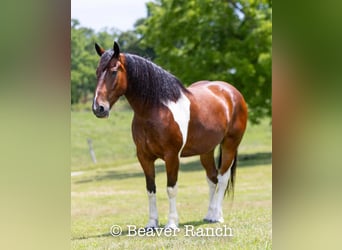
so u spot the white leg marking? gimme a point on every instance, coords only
(212, 189)
(216, 203)
(153, 212)
(173, 216)
(181, 114)
(221, 188)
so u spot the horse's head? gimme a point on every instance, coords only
(111, 80)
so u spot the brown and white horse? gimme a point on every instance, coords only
(171, 121)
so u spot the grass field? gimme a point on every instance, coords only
(112, 140)
(112, 192)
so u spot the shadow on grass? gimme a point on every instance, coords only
(250, 160)
(111, 175)
(92, 236)
(244, 160)
(196, 223)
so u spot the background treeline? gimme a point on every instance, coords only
(84, 59)
(195, 40)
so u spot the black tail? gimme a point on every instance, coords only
(231, 181)
(219, 160)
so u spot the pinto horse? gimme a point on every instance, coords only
(171, 121)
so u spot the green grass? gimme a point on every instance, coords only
(111, 138)
(112, 192)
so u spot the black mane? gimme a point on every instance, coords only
(150, 83)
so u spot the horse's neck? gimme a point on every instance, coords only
(135, 106)
(139, 108)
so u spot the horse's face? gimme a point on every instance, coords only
(111, 80)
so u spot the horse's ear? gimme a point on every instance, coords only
(116, 49)
(99, 50)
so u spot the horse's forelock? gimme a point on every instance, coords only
(105, 58)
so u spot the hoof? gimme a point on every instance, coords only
(151, 225)
(213, 220)
(149, 229)
(173, 226)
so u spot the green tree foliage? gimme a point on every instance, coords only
(225, 40)
(82, 62)
(131, 42)
(84, 58)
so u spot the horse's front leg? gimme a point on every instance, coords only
(148, 166)
(172, 166)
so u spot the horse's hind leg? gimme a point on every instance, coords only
(208, 163)
(228, 158)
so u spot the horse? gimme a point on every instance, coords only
(171, 121)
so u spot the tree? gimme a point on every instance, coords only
(82, 62)
(130, 42)
(84, 59)
(215, 40)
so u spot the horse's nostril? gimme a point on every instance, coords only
(101, 109)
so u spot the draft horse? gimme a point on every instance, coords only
(171, 121)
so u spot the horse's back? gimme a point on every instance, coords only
(225, 94)
(216, 87)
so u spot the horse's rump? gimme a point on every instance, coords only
(210, 100)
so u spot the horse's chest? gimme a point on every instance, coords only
(148, 138)
(166, 129)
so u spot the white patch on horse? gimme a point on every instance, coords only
(153, 212)
(173, 215)
(222, 101)
(212, 189)
(181, 114)
(215, 213)
(221, 188)
(232, 98)
(94, 102)
(101, 80)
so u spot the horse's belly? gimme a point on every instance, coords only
(200, 143)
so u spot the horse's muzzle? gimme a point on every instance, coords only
(101, 111)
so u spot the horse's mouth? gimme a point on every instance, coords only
(104, 114)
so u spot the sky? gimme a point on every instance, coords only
(98, 14)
